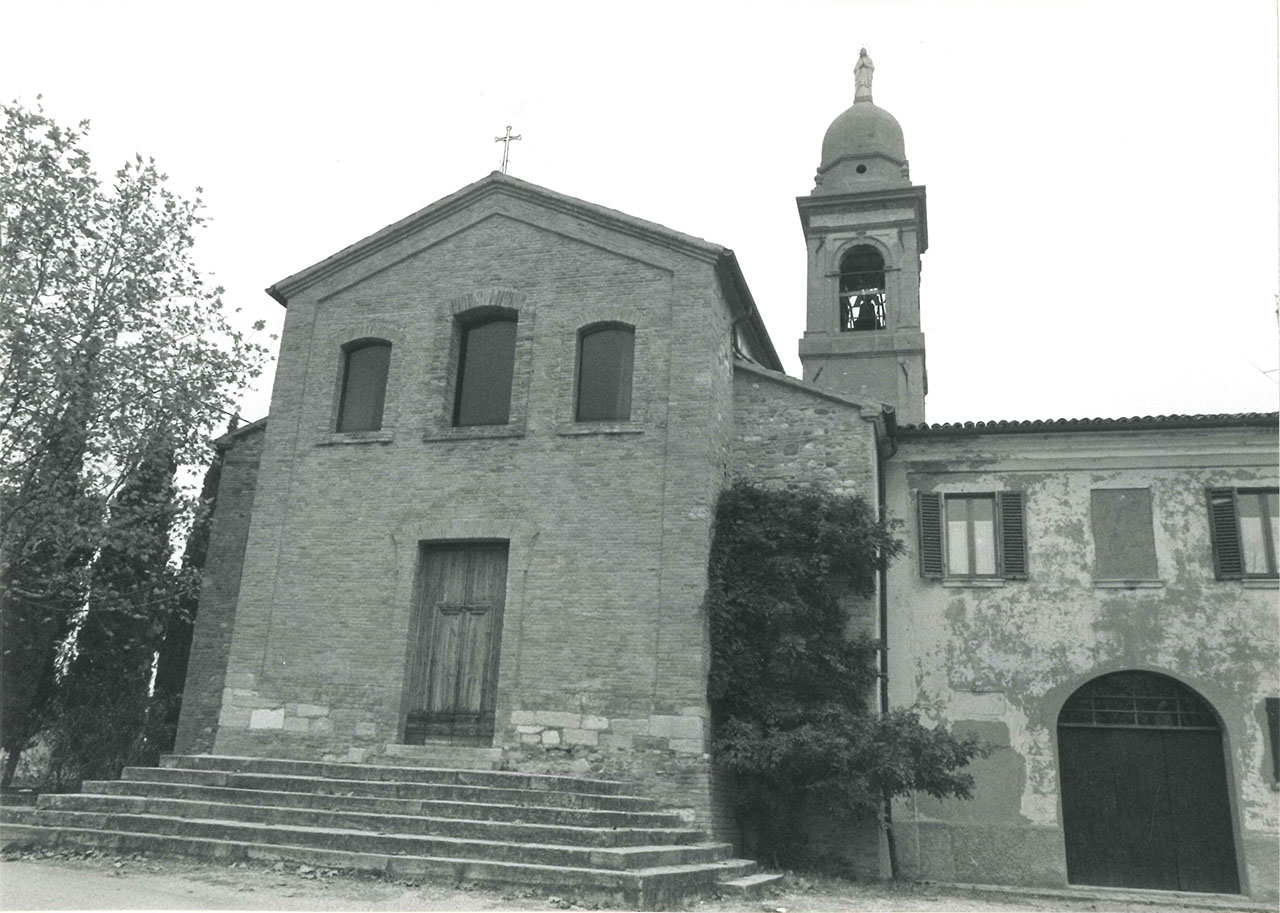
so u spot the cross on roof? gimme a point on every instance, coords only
(506, 147)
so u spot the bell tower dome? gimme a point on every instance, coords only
(865, 228)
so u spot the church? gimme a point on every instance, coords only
(480, 512)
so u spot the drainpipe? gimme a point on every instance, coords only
(889, 424)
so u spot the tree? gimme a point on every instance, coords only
(791, 692)
(112, 350)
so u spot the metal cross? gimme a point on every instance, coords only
(506, 147)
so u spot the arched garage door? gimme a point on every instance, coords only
(1144, 787)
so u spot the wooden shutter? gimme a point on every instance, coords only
(1013, 539)
(929, 507)
(1273, 735)
(1224, 529)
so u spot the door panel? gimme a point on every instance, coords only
(458, 624)
(1201, 815)
(1146, 808)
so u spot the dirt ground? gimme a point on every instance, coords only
(77, 881)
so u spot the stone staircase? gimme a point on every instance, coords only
(462, 821)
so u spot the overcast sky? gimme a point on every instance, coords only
(1102, 176)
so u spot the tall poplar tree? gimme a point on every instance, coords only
(112, 349)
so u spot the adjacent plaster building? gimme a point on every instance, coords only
(481, 512)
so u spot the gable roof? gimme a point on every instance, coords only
(726, 264)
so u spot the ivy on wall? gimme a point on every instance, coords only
(792, 694)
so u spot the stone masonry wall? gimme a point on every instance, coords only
(219, 590)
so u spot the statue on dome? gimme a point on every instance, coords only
(862, 73)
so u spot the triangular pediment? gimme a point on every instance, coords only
(540, 208)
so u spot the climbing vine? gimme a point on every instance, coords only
(792, 693)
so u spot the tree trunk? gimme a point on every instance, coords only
(887, 824)
(10, 766)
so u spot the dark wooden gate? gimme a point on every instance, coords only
(457, 627)
(1144, 787)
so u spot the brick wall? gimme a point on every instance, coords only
(603, 648)
(219, 590)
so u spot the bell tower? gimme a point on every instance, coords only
(865, 229)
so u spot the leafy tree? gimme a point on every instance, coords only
(112, 350)
(791, 691)
(103, 708)
(175, 649)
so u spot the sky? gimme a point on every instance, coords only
(1102, 176)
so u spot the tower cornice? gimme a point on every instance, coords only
(865, 201)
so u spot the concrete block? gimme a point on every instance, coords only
(267, 719)
(312, 710)
(615, 740)
(522, 717)
(234, 717)
(530, 739)
(558, 719)
(296, 724)
(528, 730)
(687, 746)
(322, 727)
(581, 737)
(630, 727)
(595, 722)
(551, 737)
(366, 730)
(676, 727)
(239, 680)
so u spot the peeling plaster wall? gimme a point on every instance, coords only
(1001, 660)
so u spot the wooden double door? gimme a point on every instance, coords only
(456, 637)
(1144, 787)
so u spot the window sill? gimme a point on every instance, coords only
(1260, 583)
(475, 433)
(974, 582)
(356, 437)
(572, 429)
(1128, 584)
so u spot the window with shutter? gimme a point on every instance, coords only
(1244, 525)
(972, 536)
(1013, 539)
(929, 506)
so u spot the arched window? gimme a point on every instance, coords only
(364, 384)
(486, 365)
(862, 290)
(606, 355)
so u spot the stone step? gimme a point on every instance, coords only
(501, 779)
(378, 822)
(486, 811)
(621, 858)
(751, 885)
(653, 888)
(395, 789)
(434, 755)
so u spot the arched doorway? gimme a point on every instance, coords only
(1144, 787)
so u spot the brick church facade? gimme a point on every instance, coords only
(481, 511)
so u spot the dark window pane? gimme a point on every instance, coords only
(1123, 538)
(486, 364)
(364, 387)
(604, 375)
